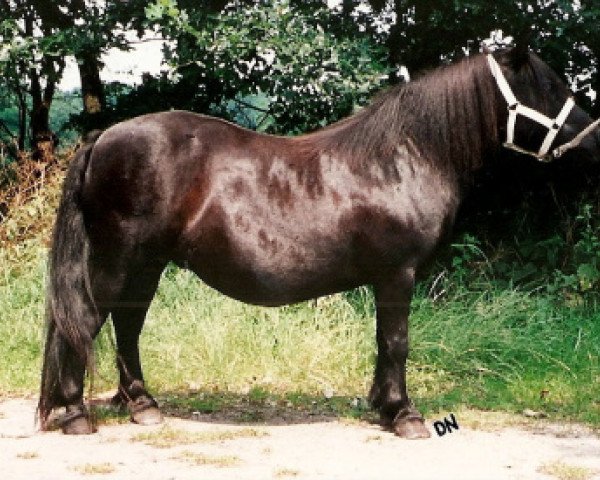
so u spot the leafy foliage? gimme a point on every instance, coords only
(273, 53)
(564, 263)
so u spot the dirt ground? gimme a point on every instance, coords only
(323, 449)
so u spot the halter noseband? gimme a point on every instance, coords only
(553, 125)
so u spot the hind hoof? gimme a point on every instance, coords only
(145, 411)
(409, 424)
(149, 416)
(76, 421)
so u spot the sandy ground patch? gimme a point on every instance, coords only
(328, 450)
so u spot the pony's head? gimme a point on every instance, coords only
(537, 113)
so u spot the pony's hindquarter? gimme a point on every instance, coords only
(98, 266)
(71, 315)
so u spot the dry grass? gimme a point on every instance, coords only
(28, 455)
(286, 472)
(29, 193)
(562, 471)
(95, 468)
(168, 437)
(488, 421)
(201, 459)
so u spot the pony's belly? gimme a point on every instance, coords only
(275, 286)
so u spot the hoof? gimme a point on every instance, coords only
(409, 424)
(145, 411)
(76, 421)
(118, 401)
(149, 416)
(411, 429)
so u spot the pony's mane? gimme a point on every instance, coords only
(449, 114)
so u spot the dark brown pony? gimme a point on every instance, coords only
(275, 220)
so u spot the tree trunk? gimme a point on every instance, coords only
(92, 91)
(42, 146)
(43, 139)
(22, 120)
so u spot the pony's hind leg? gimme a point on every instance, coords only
(62, 386)
(128, 315)
(68, 355)
(389, 393)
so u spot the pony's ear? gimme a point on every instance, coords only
(519, 54)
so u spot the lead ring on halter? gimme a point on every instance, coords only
(553, 125)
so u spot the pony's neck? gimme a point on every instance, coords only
(449, 114)
(453, 115)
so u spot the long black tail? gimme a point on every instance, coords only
(71, 313)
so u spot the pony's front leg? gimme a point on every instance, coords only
(389, 394)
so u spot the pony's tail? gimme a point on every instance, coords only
(71, 314)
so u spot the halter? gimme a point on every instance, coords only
(553, 125)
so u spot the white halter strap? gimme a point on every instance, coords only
(515, 108)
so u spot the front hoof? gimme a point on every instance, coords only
(411, 429)
(145, 411)
(76, 421)
(410, 424)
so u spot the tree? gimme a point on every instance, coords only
(584, 66)
(85, 30)
(31, 56)
(281, 52)
(302, 63)
(36, 37)
(421, 35)
(12, 90)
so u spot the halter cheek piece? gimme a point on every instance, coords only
(516, 108)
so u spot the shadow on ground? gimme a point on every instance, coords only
(258, 407)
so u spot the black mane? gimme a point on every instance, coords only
(449, 114)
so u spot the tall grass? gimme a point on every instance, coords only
(478, 344)
(22, 274)
(305, 347)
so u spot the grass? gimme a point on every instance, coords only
(22, 280)
(168, 437)
(201, 459)
(563, 471)
(28, 455)
(253, 350)
(490, 350)
(240, 408)
(286, 473)
(480, 346)
(95, 469)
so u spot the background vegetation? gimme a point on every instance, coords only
(506, 320)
